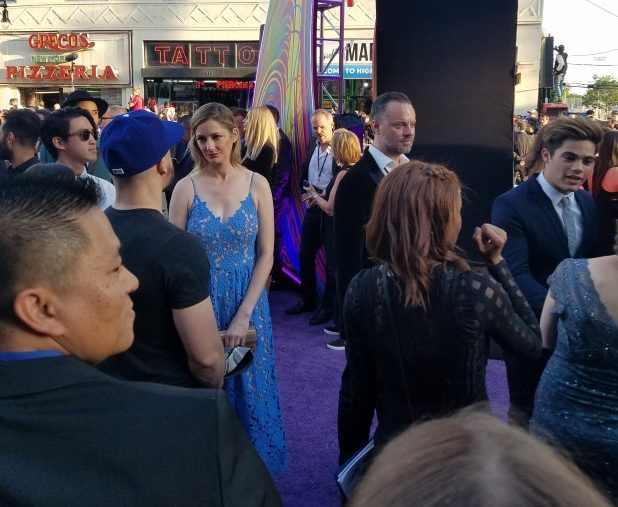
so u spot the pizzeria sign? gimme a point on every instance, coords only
(103, 58)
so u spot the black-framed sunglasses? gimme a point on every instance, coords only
(85, 134)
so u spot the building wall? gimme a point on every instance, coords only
(155, 20)
(159, 20)
(230, 20)
(529, 19)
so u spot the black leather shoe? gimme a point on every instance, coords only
(300, 307)
(321, 317)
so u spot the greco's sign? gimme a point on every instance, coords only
(103, 58)
(60, 42)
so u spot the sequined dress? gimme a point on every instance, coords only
(254, 394)
(576, 403)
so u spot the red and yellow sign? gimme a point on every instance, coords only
(40, 57)
(60, 72)
(60, 42)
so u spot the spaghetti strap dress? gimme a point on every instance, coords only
(254, 394)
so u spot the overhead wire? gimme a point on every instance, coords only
(599, 53)
(602, 8)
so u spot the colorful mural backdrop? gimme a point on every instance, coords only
(285, 80)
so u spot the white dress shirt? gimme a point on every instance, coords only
(385, 163)
(555, 197)
(321, 167)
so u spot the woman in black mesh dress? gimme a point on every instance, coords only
(417, 323)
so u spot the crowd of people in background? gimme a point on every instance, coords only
(137, 249)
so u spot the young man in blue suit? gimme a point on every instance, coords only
(548, 218)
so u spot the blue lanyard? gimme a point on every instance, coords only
(31, 354)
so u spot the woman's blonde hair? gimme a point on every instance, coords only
(222, 115)
(409, 228)
(261, 130)
(472, 459)
(345, 146)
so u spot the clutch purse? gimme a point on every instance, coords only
(353, 470)
(250, 337)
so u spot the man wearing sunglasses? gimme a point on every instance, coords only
(99, 110)
(70, 135)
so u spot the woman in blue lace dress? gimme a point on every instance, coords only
(576, 403)
(230, 209)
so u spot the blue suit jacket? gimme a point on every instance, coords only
(536, 241)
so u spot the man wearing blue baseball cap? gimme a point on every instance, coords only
(176, 336)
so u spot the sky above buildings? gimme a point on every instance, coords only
(589, 31)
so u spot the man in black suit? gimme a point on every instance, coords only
(318, 169)
(548, 218)
(70, 434)
(393, 121)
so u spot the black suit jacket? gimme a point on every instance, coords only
(352, 209)
(307, 161)
(71, 435)
(282, 169)
(536, 241)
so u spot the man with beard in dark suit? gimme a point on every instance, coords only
(393, 121)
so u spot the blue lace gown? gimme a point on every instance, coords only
(254, 394)
(576, 403)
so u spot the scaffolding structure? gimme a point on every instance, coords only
(328, 54)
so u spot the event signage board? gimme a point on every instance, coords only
(358, 63)
(39, 58)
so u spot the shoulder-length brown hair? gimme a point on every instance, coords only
(222, 115)
(411, 224)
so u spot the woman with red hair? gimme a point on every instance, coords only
(417, 323)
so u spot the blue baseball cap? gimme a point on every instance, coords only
(136, 141)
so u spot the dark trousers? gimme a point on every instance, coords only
(277, 271)
(311, 240)
(523, 377)
(347, 441)
(331, 296)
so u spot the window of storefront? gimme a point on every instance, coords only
(193, 73)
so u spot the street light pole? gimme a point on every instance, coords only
(71, 57)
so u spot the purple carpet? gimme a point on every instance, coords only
(309, 376)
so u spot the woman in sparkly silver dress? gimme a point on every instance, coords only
(576, 404)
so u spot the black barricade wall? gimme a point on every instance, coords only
(455, 60)
(547, 63)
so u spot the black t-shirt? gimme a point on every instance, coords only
(173, 272)
(9, 173)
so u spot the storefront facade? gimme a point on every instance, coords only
(187, 24)
(192, 73)
(232, 24)
(42, 67)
